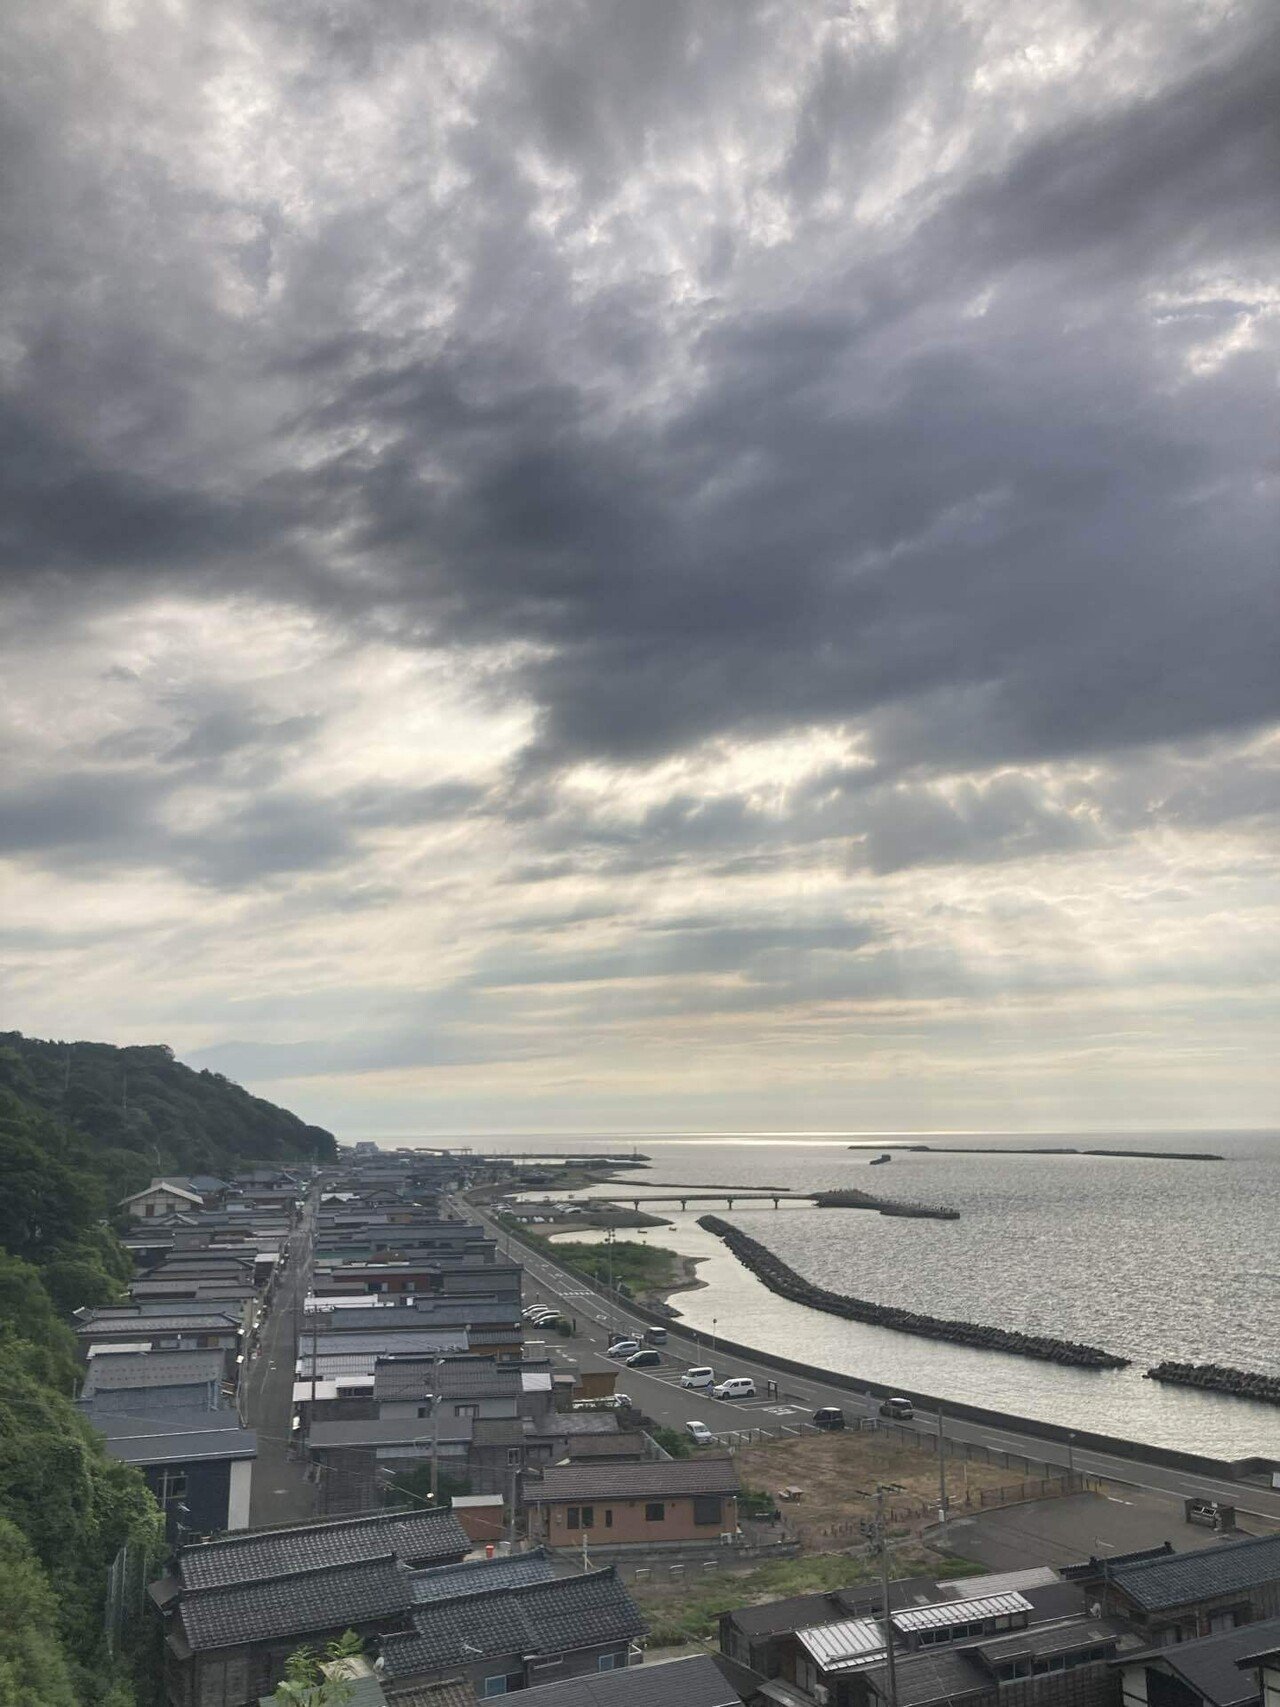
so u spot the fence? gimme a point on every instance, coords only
(126, 1592)
(970, 1499)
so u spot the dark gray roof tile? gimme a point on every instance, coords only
(587, 1611)
(1157, 1584)
(311, 1602)
(417, 1537)
(693, 1682)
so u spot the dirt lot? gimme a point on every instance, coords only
(830, 1469)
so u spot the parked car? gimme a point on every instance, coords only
(644, 1360)
(701, 1376)
(829, 1417)
(736, 1387)
(699, 1433)
(623, 1348)
(655, 1336)
(622, 1401)
(898, 1407)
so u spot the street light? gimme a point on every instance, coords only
(713, 1336)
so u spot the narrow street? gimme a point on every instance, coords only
(281, 1493)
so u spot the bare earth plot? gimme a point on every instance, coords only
(836, 1472)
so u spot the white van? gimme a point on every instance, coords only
(736, 1387)
(702, 1376)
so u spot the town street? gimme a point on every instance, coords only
(281, 1492)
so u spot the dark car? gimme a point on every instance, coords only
(643, 1360)
(829, 1417)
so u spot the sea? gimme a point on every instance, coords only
(1148, 1257)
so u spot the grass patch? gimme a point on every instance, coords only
(637, 1269)
(691, 1612)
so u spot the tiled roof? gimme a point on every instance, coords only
(310, 1602)
(1045, 1639)
(459, 1377)
(449, 1582)
(1210, 1667)
(497, 1431)
(159, 1322)
(153, 1369)
(943, 1674)
(693, 1682)
(1155, 1584)
(445, 1692)
(417, 1537)
(664, 1478)
(1096, 1567)
(587, 1611)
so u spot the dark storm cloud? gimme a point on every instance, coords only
(846, 490)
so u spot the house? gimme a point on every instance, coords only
(673, 1500)
(149, 1380)
(352, 1458)
(1264, 1663)
(236, 1608)
(161, 1197)
(506, 1624)
(1176, 1597)
(1061, 1664)
(829, 1645)
(198, 1464)
(1203, 1673)
(693, 1682)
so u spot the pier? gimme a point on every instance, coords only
(847, 1199)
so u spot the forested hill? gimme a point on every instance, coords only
(143, 1113)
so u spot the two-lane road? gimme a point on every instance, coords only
(660, 1395)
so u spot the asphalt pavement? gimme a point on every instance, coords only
(280, 1492)
(659, 1394)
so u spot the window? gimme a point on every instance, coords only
(611, 1662)
(608, 1517)
(572, 1518)
(514, 1455)
(588, 1516)
(655, 1512)
(706, 1508)
(493, 1686)
(580, 1517)
(466, 1410)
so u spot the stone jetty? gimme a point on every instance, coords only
(1217, 1378)
(849, 1197)
(788, 1284)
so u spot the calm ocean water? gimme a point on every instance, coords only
(1149, 1258)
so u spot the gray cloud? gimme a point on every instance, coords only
(672, 377)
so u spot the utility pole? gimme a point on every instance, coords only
(435, 1429)
(876, 1533)
(942, 1470)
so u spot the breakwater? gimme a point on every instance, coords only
(848, 1197)
(1217, 1378)
(1051, 1150)
(779, 1278)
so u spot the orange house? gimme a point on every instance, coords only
(628, 1505)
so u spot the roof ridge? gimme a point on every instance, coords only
(325, 1525)
(432, 1608)
(388, 1558)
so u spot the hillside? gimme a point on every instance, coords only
(144, 1113)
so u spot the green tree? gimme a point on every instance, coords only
(33, 1667)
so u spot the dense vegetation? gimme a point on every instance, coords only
(143, 1113)
(80, 1127)
(66, 1508)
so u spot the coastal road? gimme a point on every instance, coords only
(280, 1492)
(659, 1394)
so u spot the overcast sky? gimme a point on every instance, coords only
(648, 564)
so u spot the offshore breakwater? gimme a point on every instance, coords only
(779, 1278)
(1217, 1378)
